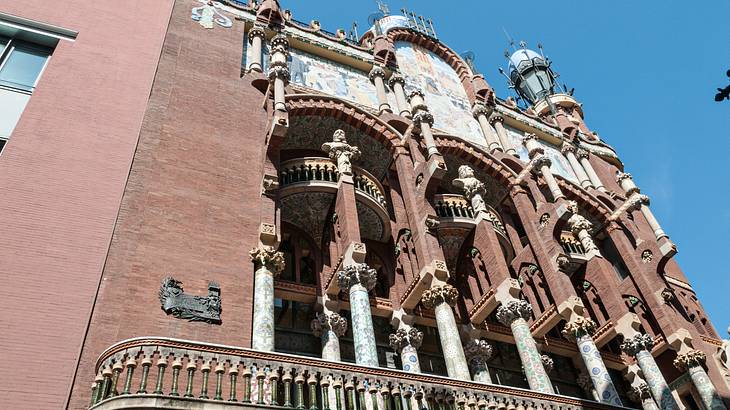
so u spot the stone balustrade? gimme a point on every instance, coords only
(457, 206)
(570, 244)
(150, 372)
(313, 169)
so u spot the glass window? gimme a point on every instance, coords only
(3, 44)
(22, 66)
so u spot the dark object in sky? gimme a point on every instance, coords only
(724, 93)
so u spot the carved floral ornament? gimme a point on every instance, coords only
(357, 274)
(547, 362)
(329, 321)
(640, 392)
(580, 326)
(513, 310)
(690, 359)
(640, 341)
(478, 350)
(438, 295)
(268, 257)
(402, 338)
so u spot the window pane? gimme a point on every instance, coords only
(22, 67)
(3, 44)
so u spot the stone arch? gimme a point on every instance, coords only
(476, 156)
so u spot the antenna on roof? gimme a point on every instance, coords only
(353, 31)
(383, 8)
(510, 40)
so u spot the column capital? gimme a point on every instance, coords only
(580, 326)
(438, 295)
(640, 393)
(340, 151)
(547, 362)
(513, 310)
(396, 78)
(620, 176)
(539, 162)
(414, 93)
(329, 321)
(640, 341)
(582, 153)
(280, 43)
(690, 359)
(568, 147)
(480, 109)
(376, 71)
(268, 257)
(532, 143)
(278, 70)
(357, 274)
(496, 118)
(256, 31)
(478, 350)
(423, 117)
(402, 338)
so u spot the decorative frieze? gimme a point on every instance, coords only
(438, 295)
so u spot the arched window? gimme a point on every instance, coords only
(300, 256)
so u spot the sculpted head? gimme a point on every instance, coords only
(339, 136)
(465, 171)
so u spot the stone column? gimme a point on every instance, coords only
(279, 69)
(358, 279)
(514, 314)
(580, 329)
(642, 394)
(582, 229)
(396, 83)
(569, 151)
(627, 183)
(423, 120)
(269, 263)
(692, 362)
(542, 164)
(406, 342)
(329, 327)
(595, 181)
(255, 38)
(477, 352)
(639, 346)
(497, 121)
(377, 77)
(481, 112)
(441, 298)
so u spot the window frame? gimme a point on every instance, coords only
(10, 47)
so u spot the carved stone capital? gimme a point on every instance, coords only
(478, 350)
(329, 321)
(414, 93)
(279, 43)
(547, 362)
(640, 392)
(582, 153)
(580, 326)
(620, 176)
(376, 72)
(584, 382)
(690, 359)
(268, 257)
(496, 119)
(640, 341)
(566, 148)
(256, 31)
(481, 109)
(396, 78)
(341, 152)
(423, 117)
(513, 310)
(438, 295)
(539, 162)
(358, 273)
(402, 338)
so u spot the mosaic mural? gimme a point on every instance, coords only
(445, 96)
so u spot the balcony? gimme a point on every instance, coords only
(166, 373)
(456, 210)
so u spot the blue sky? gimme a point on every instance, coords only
(646, 73)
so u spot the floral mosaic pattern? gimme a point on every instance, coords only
(451, 343)
(704, 386)
(597, 369)
(654, 378)
(535, 373)
(308, 211)
(263, 310)
(409, 358)
(366, 353)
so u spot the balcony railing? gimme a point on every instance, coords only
(570, 245)
(168, 373)
(458, 207)
(324, 170)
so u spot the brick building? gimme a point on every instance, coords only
(214, 205)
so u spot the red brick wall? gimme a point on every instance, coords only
(191, 207)
(61, 181)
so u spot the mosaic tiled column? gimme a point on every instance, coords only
(329, 327)
(514, 314)
(406, 343)
(358, 279)
(279, 69)
(640, 346)
(692, 362)
(481, 112)
(255, 37)
(269, 263)
(642, 394)
(580, 329)
(477, 352)
(440, 299)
